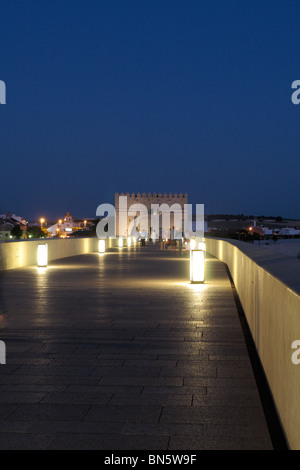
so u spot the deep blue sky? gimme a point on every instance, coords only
(149, 95)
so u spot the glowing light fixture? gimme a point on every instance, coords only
(42, 256)
(193, 244)
(134, 240)
(197, 266)
(202, 246)
(129, 241)
(101, 246)
(120, 242)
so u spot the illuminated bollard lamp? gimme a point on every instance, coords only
(42, 255)
(197, 263)
(192, 244)
(120, 242)
(101, 246)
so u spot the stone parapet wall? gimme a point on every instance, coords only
(268, 286)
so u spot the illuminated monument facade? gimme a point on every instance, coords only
(149, 200)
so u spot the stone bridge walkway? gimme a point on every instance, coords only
(119, 351)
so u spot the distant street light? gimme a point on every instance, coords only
(42, 221)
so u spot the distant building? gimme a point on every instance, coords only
(289, 231)
(5, 229)
(10, 221)
(68, 225)
(267, 231)
(258, 230)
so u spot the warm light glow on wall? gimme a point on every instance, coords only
(129, 241)
(42, 255)
(197, 265)
(120, 242)
(101, 246)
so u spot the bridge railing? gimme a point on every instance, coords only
(18, 254)
(268, 286)
(21, 253)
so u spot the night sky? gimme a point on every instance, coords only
(105, 96)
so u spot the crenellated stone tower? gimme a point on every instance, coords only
(149, 199)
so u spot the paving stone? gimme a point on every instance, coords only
(175, 390)
(36, 388)
(96, 397)
(126, 413)
(197, 443)
(24, 379)
(21, 397)
(104, 442)
(108, 389)
(221, 382)
(213, 414)
(203, 370)
(143, 381)
(54, 370)
(126, 371)
(151, 399)
(6, 410)
(150, 429)
(123, 353)
(25, 441)
(223, 399)
(236, 431)
(41, 411)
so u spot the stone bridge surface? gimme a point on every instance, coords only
(119, 351)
